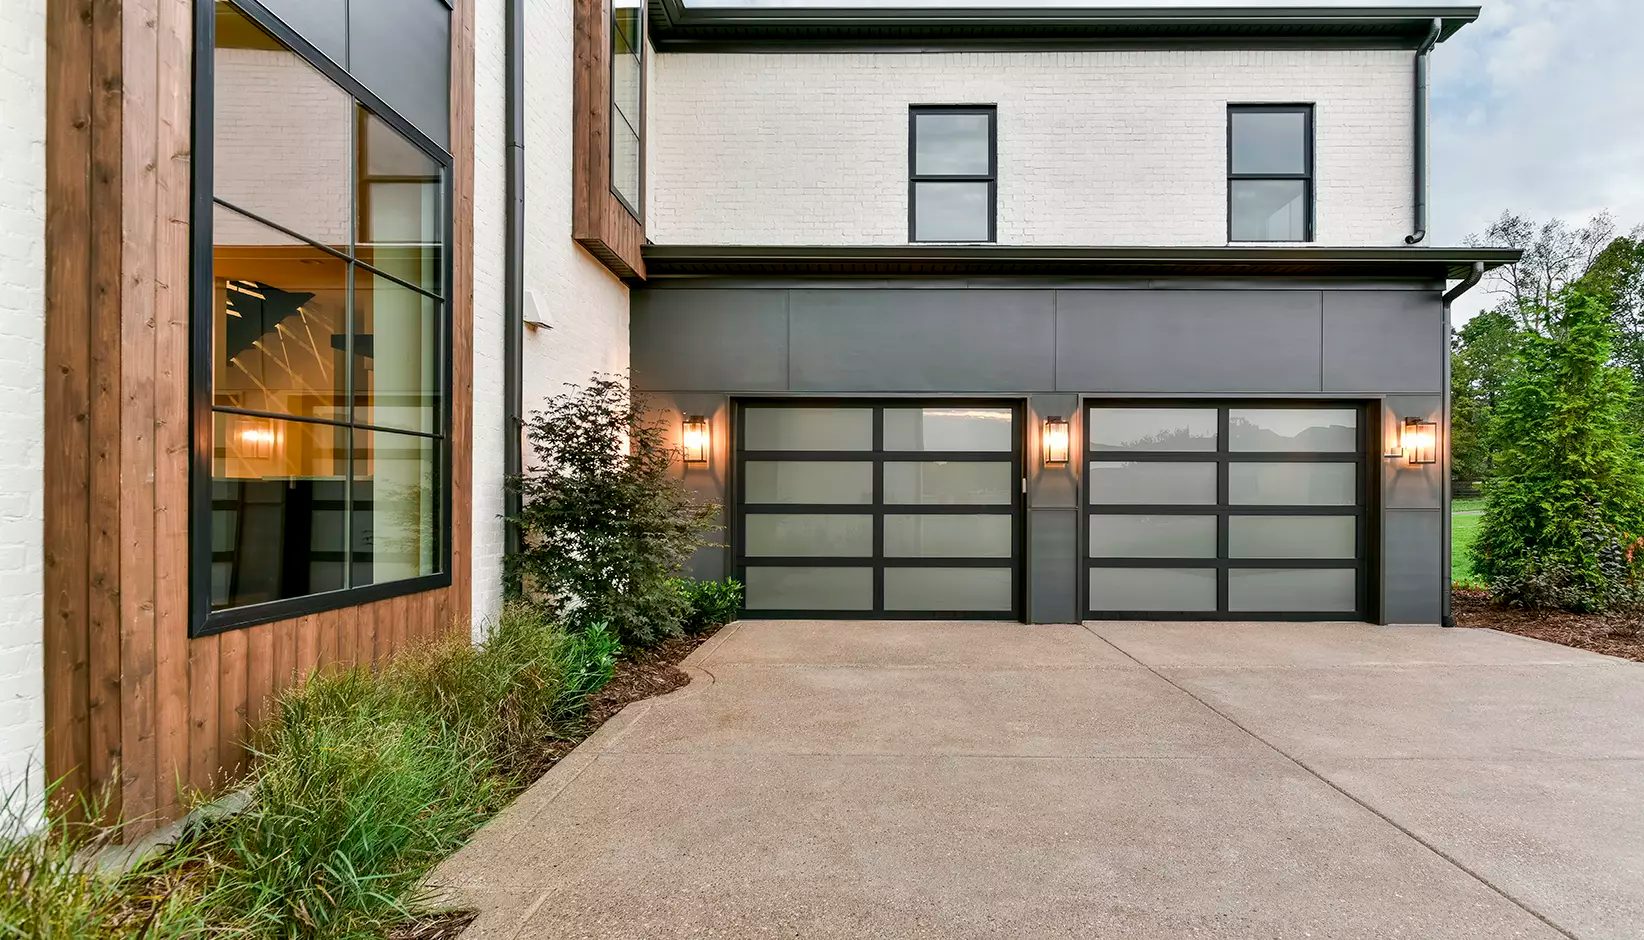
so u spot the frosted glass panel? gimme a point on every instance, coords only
(1293, 429)
(1150, 589)
(947, 589)
(797, 481)
(1291, 536)
(1291, 589)
(1152, 483)
(807, 429)
(948, 483)
(1292, 484)
(1153, 536)
(1157, 429)
(948, 536)
(809, 535)
(809, 588)
(953, 429)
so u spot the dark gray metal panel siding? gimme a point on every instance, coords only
(1383, 340)
(710, 340)
(1053, 565)
(1412, 567)
(1186, 342)
(921, 340)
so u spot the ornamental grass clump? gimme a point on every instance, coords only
(363, 782)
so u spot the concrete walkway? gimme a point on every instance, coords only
(907, 780)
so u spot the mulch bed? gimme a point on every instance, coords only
(1611, 634)
(641, 675)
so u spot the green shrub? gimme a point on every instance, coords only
(605, 525)
(46, 890)
(710, 603)
(1564, 513)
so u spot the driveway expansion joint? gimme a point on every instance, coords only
(1304, 766)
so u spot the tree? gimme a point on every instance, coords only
(1482, 355)
(1616, 278)
(1555, 256)
(1563, 522)
(605, 526)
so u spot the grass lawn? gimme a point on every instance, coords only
(1464, 520)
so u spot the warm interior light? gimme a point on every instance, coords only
(257, 443)
(1420, 441)
(1056, 441)
(694, 440)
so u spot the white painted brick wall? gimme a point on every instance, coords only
(1095, 147)
(585, 305)
(490, 232)
(22, 385)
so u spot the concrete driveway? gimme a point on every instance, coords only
(845, 779)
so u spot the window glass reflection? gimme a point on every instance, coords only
(952, 144)
(279, 312)
(396, 508)
(282, 134)
(400, 216)
(279, 497)
(396, 355)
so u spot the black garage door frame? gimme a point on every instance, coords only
(1365, 509)
(740, 509)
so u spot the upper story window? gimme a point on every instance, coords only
(321, 339)
(1270, 173)
(953, 173)
(628, 103)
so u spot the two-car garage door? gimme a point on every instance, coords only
(908, 509)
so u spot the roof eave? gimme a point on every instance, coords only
(997, 260)
(678, 26)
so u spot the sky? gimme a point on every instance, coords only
(1537, 108)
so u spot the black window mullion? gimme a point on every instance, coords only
(878, 510)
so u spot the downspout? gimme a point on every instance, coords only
(1447, 616)
(1420, 234)
(513, 356)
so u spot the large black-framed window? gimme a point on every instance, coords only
(953, 173)
(628, 105)
(1270, 176)
(320, 333)
(879, 508)
(1215, 510)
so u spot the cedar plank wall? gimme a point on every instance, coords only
(136, 710)
(599, 222)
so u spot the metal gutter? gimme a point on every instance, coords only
(1446, 497)
(1420, 112)
(513, 343)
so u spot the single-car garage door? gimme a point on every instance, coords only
(894, 509)
(1226, 511)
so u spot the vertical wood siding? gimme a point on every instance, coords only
(599, 222)
(135, 709)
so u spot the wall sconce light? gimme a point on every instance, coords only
(1418, 442)
(1056, 441)
(694, 439)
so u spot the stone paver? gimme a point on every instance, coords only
(822, 779)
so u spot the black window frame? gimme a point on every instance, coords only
(878, 508)
(203, 621)
(1364, 509)
(1308, 176)
(915, 177)
(615, 114)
